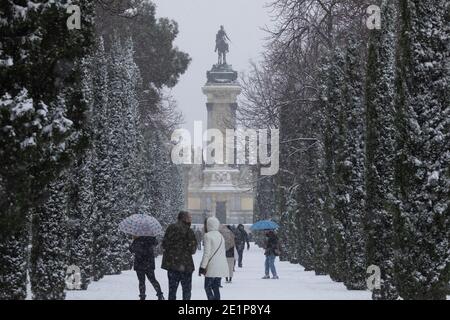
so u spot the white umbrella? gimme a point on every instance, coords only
(141, 225)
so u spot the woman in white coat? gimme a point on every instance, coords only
(214, 264)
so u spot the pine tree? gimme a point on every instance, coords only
(49, 244)
(379, 151)
(421, 216)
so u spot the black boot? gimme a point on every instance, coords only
(142, 297)
(160, 296)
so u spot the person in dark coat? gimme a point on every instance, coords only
(144, 264)
(179, 244)
(272, 250)
(241, 237)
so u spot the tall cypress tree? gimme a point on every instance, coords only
(49, 244)
(350, 168)
(287, 205)
(321, 221)
(101, 162)
(14, 265)
(81, 219)
(379, 150)
(421, 216)
(116, 151)
(133, 143)
(37, 68)
(81, 195)
(331, 107)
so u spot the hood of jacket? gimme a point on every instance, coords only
(212, 224)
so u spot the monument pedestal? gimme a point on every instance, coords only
(222, 90)
(222, 73)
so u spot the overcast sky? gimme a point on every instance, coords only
(199, 21)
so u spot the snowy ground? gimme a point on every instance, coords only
(294, 284)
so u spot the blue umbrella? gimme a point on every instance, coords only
(264, 225)
(141, 225)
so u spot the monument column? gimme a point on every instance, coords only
(222, 90)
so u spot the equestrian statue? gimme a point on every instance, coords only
(222, 47)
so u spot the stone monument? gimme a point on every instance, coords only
(221, 190)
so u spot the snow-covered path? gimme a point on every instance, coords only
(294, 284)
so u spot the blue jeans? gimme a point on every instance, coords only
(212, 288)
(270, 264)
(240, 254)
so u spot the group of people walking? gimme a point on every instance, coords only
(180, 243)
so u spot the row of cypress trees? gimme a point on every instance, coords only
(364, 129)
(83, 142)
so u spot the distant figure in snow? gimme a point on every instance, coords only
(241, 237)
(144, 264)
(272, 250)
(179, 244)
(199, 237)
(214, 264)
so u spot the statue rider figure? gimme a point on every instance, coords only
(222, 46)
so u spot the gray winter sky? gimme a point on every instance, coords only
(198, 22)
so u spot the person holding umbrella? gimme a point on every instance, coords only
(271, 246)
(144, 229)
(272, 250)
(144, 264)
